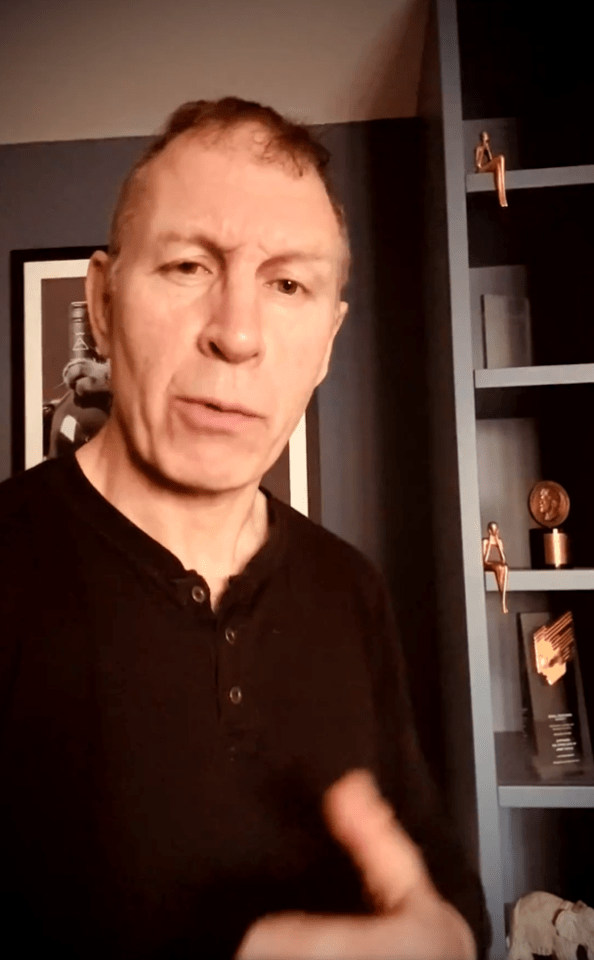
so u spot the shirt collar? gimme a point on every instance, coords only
(153, 559)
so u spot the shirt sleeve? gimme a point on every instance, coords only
(406, 782)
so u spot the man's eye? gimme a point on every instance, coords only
(290, 287)
(185, 268)
(189, 267)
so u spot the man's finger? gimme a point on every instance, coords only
(364, 823)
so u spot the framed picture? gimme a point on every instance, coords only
(53, 357)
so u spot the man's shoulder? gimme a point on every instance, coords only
(27, 496)
(325, 555)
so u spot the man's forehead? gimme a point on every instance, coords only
(274, 248)
(196, 190)
(217, 187)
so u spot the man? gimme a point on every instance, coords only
(200, 687)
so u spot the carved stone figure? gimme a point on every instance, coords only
(543, 924)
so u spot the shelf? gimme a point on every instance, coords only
(547, 795)
(520, 786)
(528, 581)
(531, 179)
(554, 375)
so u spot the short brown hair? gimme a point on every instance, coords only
(287, 140)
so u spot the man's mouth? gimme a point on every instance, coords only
(205, 414)
(223, 407)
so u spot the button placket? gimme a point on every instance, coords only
(234, 695)
(235, 692)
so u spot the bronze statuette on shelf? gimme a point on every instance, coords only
(485, 162)
(497, 566)
(549, 506)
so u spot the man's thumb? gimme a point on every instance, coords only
(364, 823)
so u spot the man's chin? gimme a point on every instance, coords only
(190, 478)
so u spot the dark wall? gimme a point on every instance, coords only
(372, 406)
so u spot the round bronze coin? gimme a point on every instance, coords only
(549, 503)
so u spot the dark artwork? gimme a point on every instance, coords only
(76, 382)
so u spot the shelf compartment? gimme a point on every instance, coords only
(499, 396)
(533, 581)
(533, 179)
(519, 785)
(553, 375)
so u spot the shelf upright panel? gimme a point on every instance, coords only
(461, 360)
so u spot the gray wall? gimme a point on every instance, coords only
(373, 433)
(75, 69)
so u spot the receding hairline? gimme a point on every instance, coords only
(214, 133)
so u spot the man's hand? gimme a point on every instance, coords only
(411, 920)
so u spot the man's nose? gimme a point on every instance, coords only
(233, 331)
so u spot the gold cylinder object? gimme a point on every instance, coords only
(556, 548)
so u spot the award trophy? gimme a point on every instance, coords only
(555, 718)
(549, 506)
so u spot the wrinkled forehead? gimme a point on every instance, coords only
(232, 178)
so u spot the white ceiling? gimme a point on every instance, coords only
(77, 69)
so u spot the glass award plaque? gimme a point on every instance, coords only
(555, 719)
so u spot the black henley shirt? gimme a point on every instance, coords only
(162, 766)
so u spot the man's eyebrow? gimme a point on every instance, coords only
(302, 256)
(219, 252)
(195, 239)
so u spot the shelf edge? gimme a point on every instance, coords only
(533, 179)
(528, 581)
(538, 376)
(547, 795)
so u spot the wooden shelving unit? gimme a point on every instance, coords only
(498, 430)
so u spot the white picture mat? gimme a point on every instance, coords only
(35, 272)
(298, 490)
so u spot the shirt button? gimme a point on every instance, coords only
(198, 594)
(235, 695)
(230, 635)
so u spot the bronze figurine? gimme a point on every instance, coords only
(485, 162)
(498, 567)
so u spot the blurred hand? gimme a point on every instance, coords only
(411, 920)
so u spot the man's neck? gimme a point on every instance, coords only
(215, 535)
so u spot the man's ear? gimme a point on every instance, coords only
(341, 311)
(98, 294)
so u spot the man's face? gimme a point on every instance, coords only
(227, 289)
